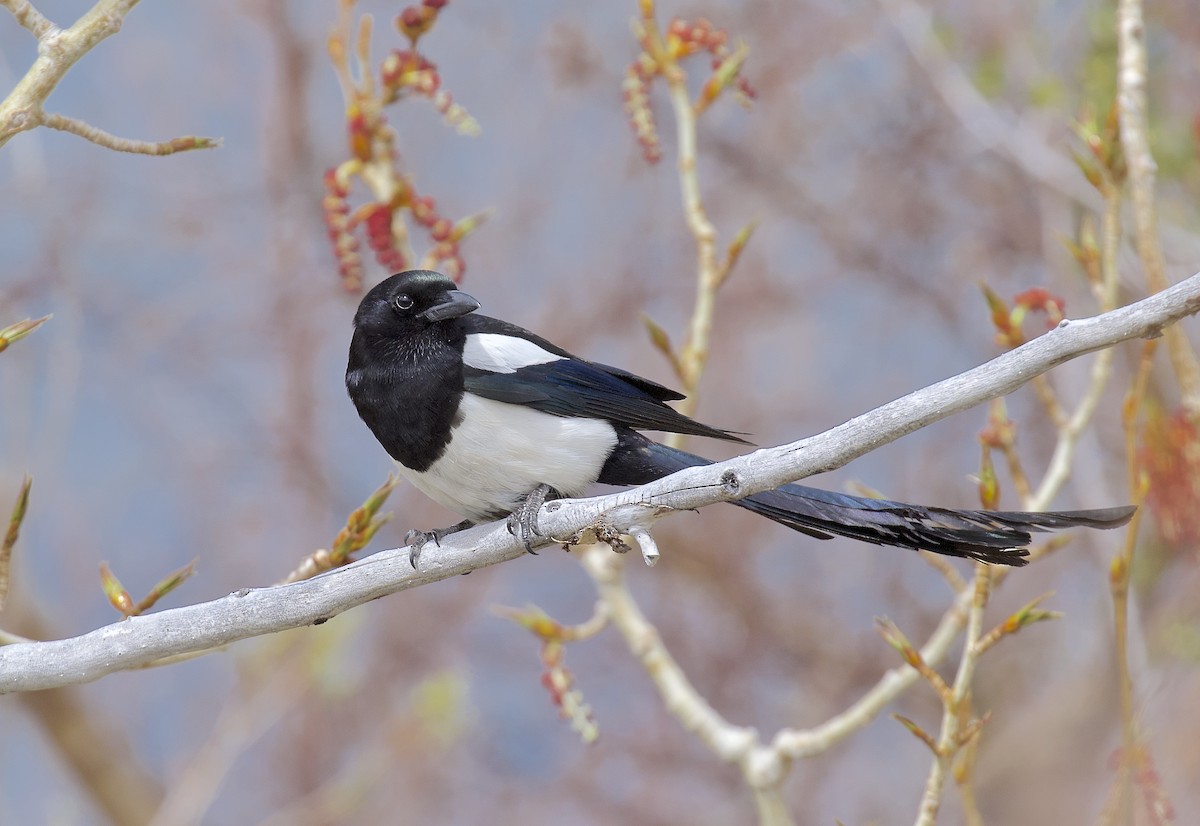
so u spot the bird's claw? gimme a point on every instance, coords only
(522, 523)
(416, 540)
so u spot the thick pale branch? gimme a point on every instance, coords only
(140, 640)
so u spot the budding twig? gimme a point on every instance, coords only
(11, 535)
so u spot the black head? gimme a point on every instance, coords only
(411, 301)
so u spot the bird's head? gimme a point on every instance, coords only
(411, 301)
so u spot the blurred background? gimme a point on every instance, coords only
(186, 402)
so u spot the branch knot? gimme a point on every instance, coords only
(731, 483)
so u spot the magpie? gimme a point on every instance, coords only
(489, 420)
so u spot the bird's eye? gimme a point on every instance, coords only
(403, 301)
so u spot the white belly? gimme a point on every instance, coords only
(500, 452)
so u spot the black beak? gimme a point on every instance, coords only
(454, 304)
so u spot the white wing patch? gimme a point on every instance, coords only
(500, 452)
(498, 353)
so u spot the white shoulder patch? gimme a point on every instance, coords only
(498, 353)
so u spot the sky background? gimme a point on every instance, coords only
(186, 402)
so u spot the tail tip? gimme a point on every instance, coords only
(1012, 557)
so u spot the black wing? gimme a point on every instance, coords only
(573, 387)
(475, 323)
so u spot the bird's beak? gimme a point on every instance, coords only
(455, 304)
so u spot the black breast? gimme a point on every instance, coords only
(408, 390)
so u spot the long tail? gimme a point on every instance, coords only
(989, 536)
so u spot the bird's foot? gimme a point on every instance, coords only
(523, 521)
(416, 539)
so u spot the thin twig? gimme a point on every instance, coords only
(118, 144)
(894, 637)
(11, 535)
(1132, 72)
(1016, 472)
(1004, 134)
(730, 743)
(1069, 432)
(333, 801)
(1120, 803)
(953, 712)
(1135, 140)
(795, 744)
(1027, 615)
(695, 351)
(274, 692)
(944, 567)
(1048, 398)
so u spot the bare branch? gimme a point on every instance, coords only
(1005, 133)
(273, 693)
(118, 144)
(92, 746)
(956, 704)
(894, 637)
(1072, 427)
(248, 613)
(59, 50)
(695, 351)
(796, 744)
(730, 743)
(1135, 140)
(993, 131)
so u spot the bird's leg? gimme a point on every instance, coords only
(416, 539)
(523, 521)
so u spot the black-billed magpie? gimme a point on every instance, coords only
(489, 419)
